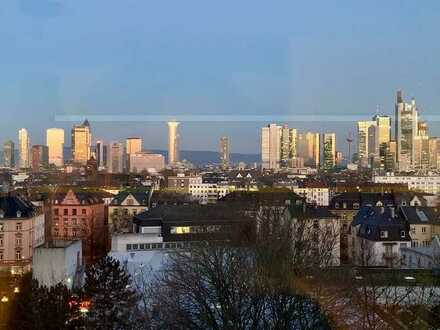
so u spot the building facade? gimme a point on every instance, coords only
(145, 161)
(40, 157)
(24, 148)
(173, 142)
(55, 145)
(9, 154)
(81, 143)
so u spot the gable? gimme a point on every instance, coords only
(130, 200)
(70, 199)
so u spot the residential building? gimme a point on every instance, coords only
(314, 193)
(428, 184)
(207, 193)
(9, 154)
(124, 206)
(40, 157)
(55, 145)
(81, 143)
(377, 236)
(79, 215)
(173, 142)
(423, 223)
(21, 230)
(145, 161)
(181, 182)
(24, 148)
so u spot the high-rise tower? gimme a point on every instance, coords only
(173, 142)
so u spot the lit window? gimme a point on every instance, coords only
(383, 234)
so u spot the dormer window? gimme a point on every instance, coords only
(356, 206)
(18, 214)
(336, 205)
(383, 234)
(402, 234)
(2, 214)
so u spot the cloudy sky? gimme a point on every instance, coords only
(306, 61)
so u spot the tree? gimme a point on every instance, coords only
(113, 301)
(40, 307)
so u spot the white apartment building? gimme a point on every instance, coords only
(314, 195)
(208, 192)
(426, 184)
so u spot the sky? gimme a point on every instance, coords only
(61, 58)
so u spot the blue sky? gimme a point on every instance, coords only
(140, 57)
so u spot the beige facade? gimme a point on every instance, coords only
(55, 145)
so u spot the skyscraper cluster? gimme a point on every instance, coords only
(283, 147)
(412, 148)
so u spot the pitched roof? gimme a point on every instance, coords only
(10, 205)
(372, 221)
(83, 197)
(421, 215)
(142, 197)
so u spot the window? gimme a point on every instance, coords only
(2, 227)
(18, 226)
(74, 212)
(135, 246)
(74, 221)
(383, 234)
(130, 201)
(65, 212)
(356, 206)
(423, 229)
(336, 205)
(402, 234)
(1, 240)
(84, 211)
(1, 255)
(141, 246)
(18, 255)
(18, 241)
(66, 221)
(65, 232)
(56, 212)
(128, 247)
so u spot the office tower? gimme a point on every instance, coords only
(329, 150)
(23, 145)
(390, 156)
(116, 158)
(434, 153)
(309, 148)
(173, 142)
(366, 133)
(132, 145)
(8, 154)
(339, 158)
(406, 132)
(285, 146)
(292, 141)
(55, 145)
(421, 147)
(40, 157)
(224, 152)
(81, 142)
(101, 154)
(271, 146)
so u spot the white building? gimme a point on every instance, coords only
(58, 262)
(144, 161)
(208, 192)
(173, 142)
(426, 184)
(271, 146)
(314, 195)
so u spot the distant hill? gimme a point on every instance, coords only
(200, 158)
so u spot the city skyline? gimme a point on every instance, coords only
(347, 61)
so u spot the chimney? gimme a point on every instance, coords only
(393, 212)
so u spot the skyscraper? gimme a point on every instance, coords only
(366, 132)
(24, 145)
(173, 142)
(271, 146)
(81, 142)
(40, 157)
(55, 145)
(133, 145)
(308, 147)
(116, 158)
(329, 150)
(224, 152)
(422, 147)
(8, 154)
(406, 131)
(101, 154)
